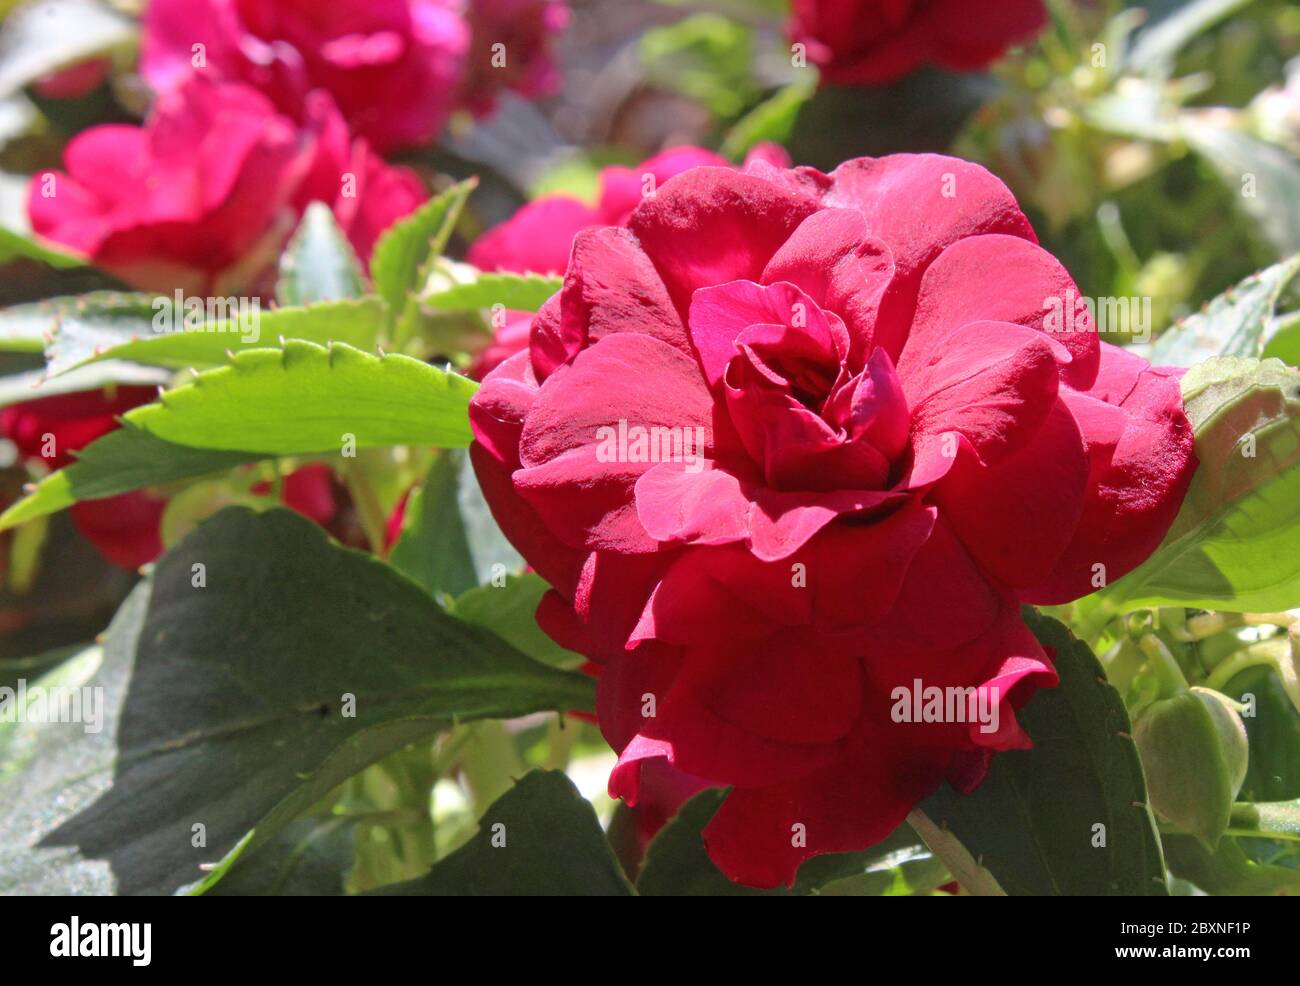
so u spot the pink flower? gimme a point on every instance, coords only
(396, 68)
(872, 42)
(790, 442)
(392, 66)
(210, 186)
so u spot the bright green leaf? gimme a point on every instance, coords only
(356, 323)
(1235, 544)
(509, 611)
(406, 247)
(522, 292)
(306, 398)
(14, 244)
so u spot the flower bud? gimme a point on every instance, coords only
(1194, 753)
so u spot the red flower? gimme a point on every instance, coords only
(539, 236)
(510, 49)
(872, 42)
(75, 81)
(213, 177)
(124, 528)
(866, 455)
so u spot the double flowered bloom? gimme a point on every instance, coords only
(896, 457)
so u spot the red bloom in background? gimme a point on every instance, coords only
(74, 81)
(511, 49)
(539, 236)
(872, 42)
(124, 528)
(215, 175)
(868, 454)
(396, 68)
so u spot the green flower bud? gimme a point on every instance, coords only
(1194, 753)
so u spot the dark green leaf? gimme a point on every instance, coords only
(309, 858)
(227, 706)
(433, 549)
(553, 846)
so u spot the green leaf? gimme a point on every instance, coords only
(1274, 193)
(309, 858)
(1159, 44)
(771, 120)
(356, 323)
(306, 398)
(677, 864)
(121, 461)
(1233, 324)
(14, 244)
(1228, 871)
(488, 546)
(433, 549)
(407, 246)
(1273, 771)
(1030, 827)
(30, 385)
(705, 57)
(43, 37)
(1269, 819)
(509, 610)
(100, 318)
(553, 846)
(319, 263)
(1283, 339)
(1235, 544)
(240, 704)
(521, 292)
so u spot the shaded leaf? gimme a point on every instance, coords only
(227, 706)
(553, 846)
